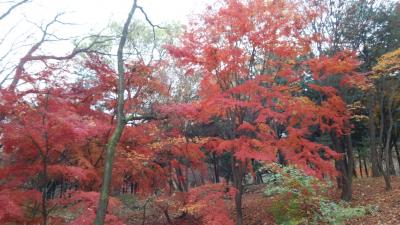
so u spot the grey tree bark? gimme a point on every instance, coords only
(372, 135)
(121, 122)
(386, 172)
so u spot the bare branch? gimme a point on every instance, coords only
(29, 56)
(153, 26)
(147, 18)
(12, 8)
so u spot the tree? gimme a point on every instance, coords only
(367, 27)
(43, 128)
(253, 57)
(122, 119)
(112, 143)
(68, 127)
(385, 76)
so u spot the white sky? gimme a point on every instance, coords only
(88, 17)
(99, 12)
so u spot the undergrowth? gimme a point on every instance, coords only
(302, 199)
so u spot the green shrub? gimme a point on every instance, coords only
(301, 199)
(130, 201)
(287, 212)
(337, 213)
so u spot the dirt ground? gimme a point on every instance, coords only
(366, 191)
(371, 191)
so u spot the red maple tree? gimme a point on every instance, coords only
(42, 135)
(256, 62)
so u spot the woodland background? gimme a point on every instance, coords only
(255, 112)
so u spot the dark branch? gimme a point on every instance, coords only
(12, 8)
(29, 56)
(133, 118)
(153, 26)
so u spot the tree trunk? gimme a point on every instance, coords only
(112, 143)
(396, 148)
(347, 191)
(372, 135)
(44, 193)
(105, 188)
(366, 167)
(216, 169)
(237, 174)
(392, 170)
(344, 165)
(360, 163)
(44, 157)
(180, 180)
(386, 173)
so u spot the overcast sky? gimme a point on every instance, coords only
(86, 17)
(93, 14)
(94, 11)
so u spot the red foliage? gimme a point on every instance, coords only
(15, 205)
(207, 202)
(84, 205)
(249, 55)
(54, 132)
(253, 57)
(41, 129)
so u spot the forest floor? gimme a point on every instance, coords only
(366, 192)
(371, 191)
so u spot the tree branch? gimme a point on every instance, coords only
(148, 117)
(12, 8)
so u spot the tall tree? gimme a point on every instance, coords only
(126, 84)
(368, 27)
(121, 122)
(253, 57)
(385, 77)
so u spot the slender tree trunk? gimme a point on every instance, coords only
(186, 179)
(237, 175)
(360, 163)
(171, 179)
(181, 180)
(166, 214)
(381, 155)
(392, 170)
(372, 136)
(386, 172)
(347, 191)
(144, 212)
(216, 169)
(344, 165)
(355, 172)
(396, 148)
(194, 177)
(112, 143)
(238, 203)
(45, 162)
(366, 167)
(62, 187)
(44, 193)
